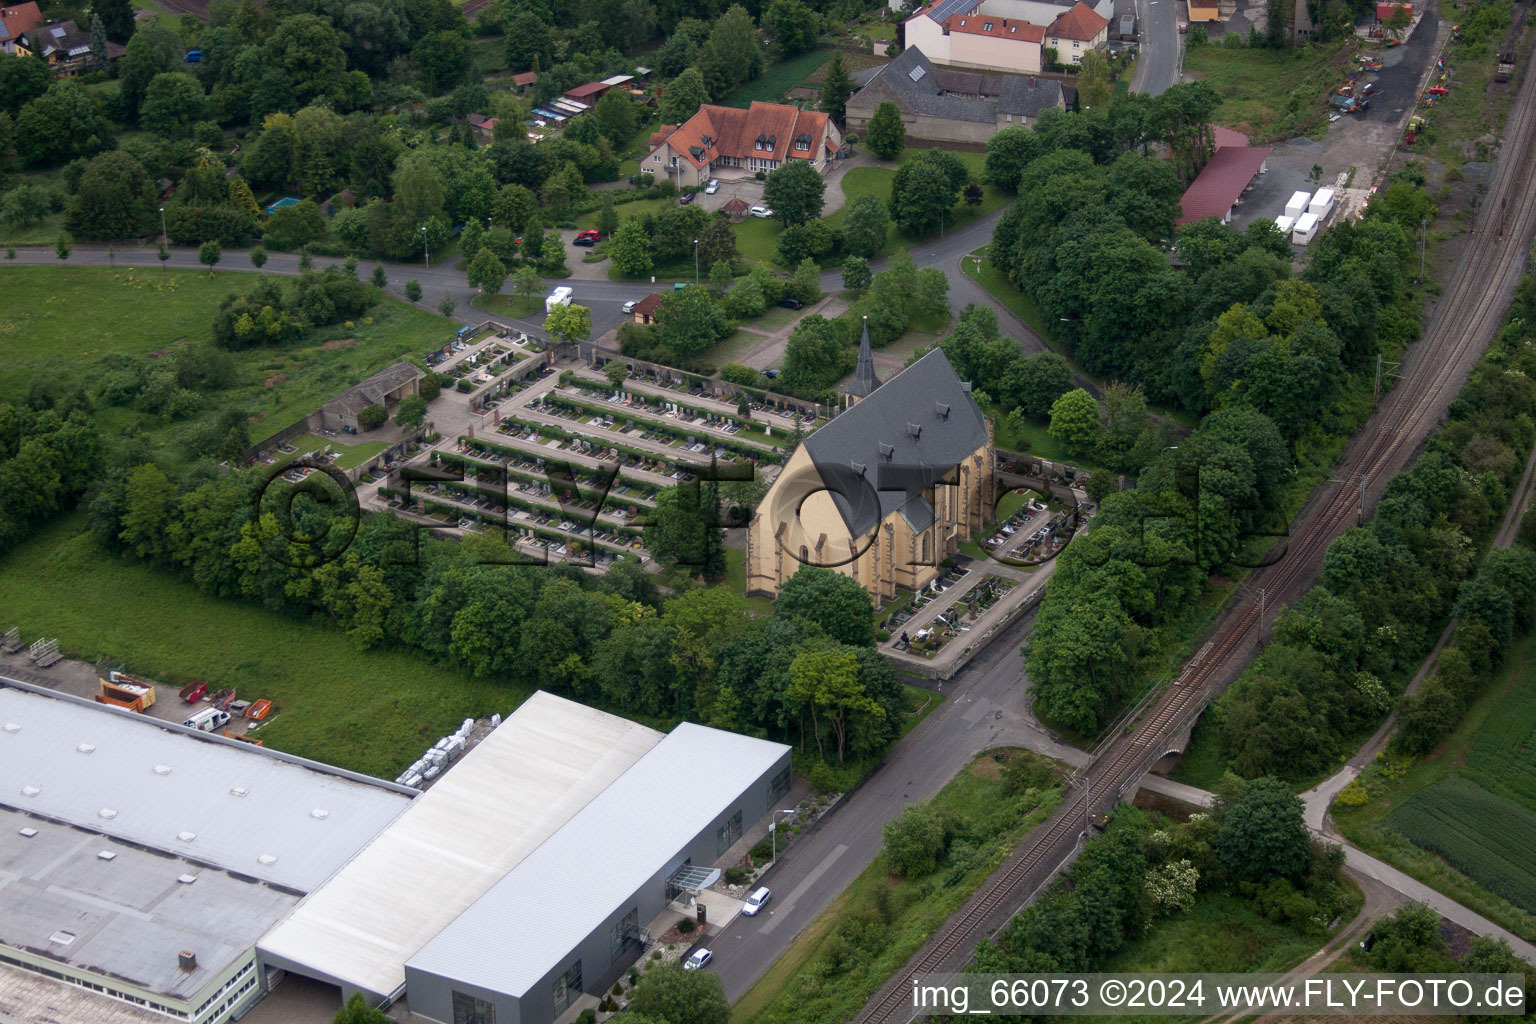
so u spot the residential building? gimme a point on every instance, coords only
(65, 47)
(731, 142)
(386, 388)
(16, 20)
(1007, 35)
(645, 310)
(942, 105)
(885, 491)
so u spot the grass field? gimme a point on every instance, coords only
(351, 454)
(370, 711)
(1408, 817)
(1021, 304)
(871, 929)
(50, 334)
(44, 232)
(1270, 94)
(515, 306)
(778, 79)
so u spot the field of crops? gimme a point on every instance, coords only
(1489, 837)
(1502, 758)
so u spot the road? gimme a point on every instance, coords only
(985, 707)
(1157, 67)
(1467, 317)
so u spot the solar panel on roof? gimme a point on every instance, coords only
(917, 72)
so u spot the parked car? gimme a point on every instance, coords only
(629, 307)
(586, 238)
(699, 958)
(1368, 89)
(771, 374)
(791, 303)
(685, 198)
(756, 900)
(712, 187)
(760, 211)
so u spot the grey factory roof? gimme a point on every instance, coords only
(884, 452)
(126, 916)
(510, 793)
(528, 922)
(29, 997)
(270, 816)
(915, 84)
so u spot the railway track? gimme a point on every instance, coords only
(1467, 318)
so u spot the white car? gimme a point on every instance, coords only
(760, 211)
(756, 900)
(629, 307)
(699, 958)
(712, 187)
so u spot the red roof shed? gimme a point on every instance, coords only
(1216, 189)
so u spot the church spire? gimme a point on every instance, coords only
(864, 380)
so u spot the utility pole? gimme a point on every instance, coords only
(1423, 229)
(1376, 386)
(425, 247)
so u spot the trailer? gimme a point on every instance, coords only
(1297, 204)
(1321, 204)
(1284, 224)
(1306, 229)
(124, 691)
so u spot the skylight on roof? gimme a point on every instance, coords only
(986, 26)
(917, 72)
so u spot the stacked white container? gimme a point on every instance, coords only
(1297, 204)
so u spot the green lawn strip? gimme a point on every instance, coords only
(736, 581)
(778, 79)
(44, 232)
(45, 338)
(369, 711)
(1270, 94)
(1467, 751)
(635, 208)
(515, 306)
(822, 979)
(351, 454)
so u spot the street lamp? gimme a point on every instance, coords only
(425, 247)
(695, 261)
(773, 834)
(163, 236)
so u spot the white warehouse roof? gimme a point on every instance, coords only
(529, 921)
(509, 794)
(265, 815)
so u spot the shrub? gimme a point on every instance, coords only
(914, 842)
(883, 635)
(373, 416)
(465, 386)
(686, 925)
(822, 778)
(617, 989)
(736, 875)
(413, 290)
(589, 1015)
(762, 852)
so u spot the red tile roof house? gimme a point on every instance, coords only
(760, 138)
(14, 21)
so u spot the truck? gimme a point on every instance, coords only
(1349, 104)
(559, 297)
(124, 691)
(1506, 66)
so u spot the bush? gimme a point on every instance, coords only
(686, 925)
(762, 852)
(822, 778)
(736, 875)
(413, 290)
(914, 842)
(883, 635)
(617, 989)
(465, 386)
(589, 1015)
(373, 416)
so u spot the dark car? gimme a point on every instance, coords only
(685, 199)
(791, 303)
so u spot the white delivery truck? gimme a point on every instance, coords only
(559, 297)
(208, 720)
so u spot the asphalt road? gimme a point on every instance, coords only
(1402, 68)
(1158, 66)
(985, 707)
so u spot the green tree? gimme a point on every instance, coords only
(447, 305)
(684, 529)
(689, 321)
(1039, 380)
(444, 60)
(615, 114)
(630, 249)
(305, 50)
(837, 603)
(795, 192)
(149, 497)
(1075, 421)
(807, 280)
(258, 257)
(116, 18)
(411, 411)
(62, 247)
(731, 55)
(1264, 836)
(866, 226)
(616, 372)
(922, 194)
(116, 199)
(607, 221)
(1094, 85)
(99, 59)
(372, 417)
(413, 290)
(914, 841)
(569, 322)
(792, 25)
(208, 254)
(836, 88)
(827, 682)
(676, 996)
(512, 207)
(379, 277)
(815, 356)
(486, 272)
(856, 273)
(171, 104)
(526, 282)
(683, 97)
(886, 136)
(720, 276)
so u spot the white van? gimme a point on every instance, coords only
(208, 720)
(559, 297)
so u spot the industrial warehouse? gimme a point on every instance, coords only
(163, 872)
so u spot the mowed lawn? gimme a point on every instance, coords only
(370, 711)
(54, 331)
